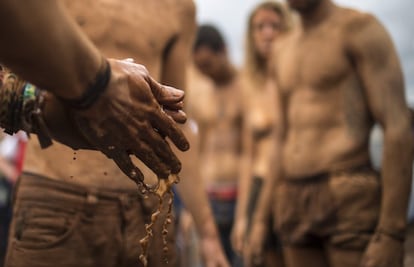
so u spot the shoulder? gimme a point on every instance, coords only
(364, 32)
(355, 21)
(185, 8)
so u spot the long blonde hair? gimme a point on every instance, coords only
(254, 66)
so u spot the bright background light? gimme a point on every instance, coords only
(230, 17)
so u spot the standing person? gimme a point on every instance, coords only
(76, 208)
(337, 75)
(220, 129)
(96, 91)
(267, 22)
(11, 156)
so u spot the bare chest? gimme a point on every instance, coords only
(127, 28)
(314, 60)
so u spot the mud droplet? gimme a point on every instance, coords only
(71, 177)
(133, 174)
(105, 173)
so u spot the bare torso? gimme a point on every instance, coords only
(325, 112)
(121, 29)
(220, 123)
(259, 99)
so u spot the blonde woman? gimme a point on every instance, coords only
(267, 22)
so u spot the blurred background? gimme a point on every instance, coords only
(397, 16)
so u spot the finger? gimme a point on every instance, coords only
(165, 94)
(152, 161)
(147, 142)
(174, 106)
(166, 126)
(123, 161)
(177, 115)
(163, 150)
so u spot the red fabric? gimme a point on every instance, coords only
(21, 149)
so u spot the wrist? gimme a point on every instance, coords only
(22, 107)
(396, 235)
(93, 90)
(208, 231)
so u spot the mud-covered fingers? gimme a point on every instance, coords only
(174, 106)
(124, 162)
(146, 145)
(165, 95)
(168, 128)
(153, 161)
(177, 115)
(163, 150)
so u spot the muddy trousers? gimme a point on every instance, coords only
(67, 225)
(327, 220)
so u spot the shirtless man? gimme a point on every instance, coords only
(337, 75)
(95, 90)
(220, 129)
(77, 208)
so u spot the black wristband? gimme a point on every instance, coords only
(93, 92)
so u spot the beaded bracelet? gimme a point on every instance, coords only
(21, 105)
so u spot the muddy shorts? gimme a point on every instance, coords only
(340, 209)
(67, 225)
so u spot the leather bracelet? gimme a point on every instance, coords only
(93, 92)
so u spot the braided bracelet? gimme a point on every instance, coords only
(21, 105)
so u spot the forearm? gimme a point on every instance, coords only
(244, 184)
(396, 180)
(191, 190)
(45, 46)
(270, 170)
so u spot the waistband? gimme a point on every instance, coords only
(321, 176)
(223, 192)
(38, 187)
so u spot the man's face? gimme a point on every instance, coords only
(303, 5)
(266, 26)
(209, 62)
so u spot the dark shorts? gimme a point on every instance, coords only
(62, 224)
(340, 209)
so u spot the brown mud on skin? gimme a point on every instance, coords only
(162, 189)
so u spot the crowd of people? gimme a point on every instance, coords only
(273, 156)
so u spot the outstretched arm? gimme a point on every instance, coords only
(379, 70)
(192, 191)
(115, 105)
(45, 46)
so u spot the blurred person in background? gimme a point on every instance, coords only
(267, 22)
(220, 123)
(337, 74)
(12, 149)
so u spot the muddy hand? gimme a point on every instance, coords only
(383, 251)
(132, 117)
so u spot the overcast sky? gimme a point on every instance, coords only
(397, 15)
